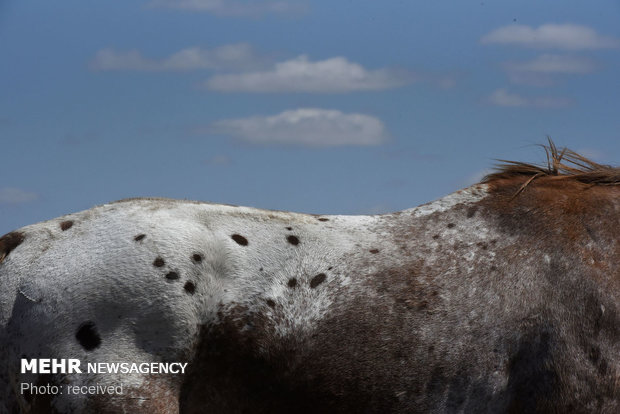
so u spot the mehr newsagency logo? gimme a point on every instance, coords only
(75, 366)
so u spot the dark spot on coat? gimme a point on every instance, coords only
(457, 391)
(8, 242)
(197, 257)
(330, 268)
(294, 240)
(532, 377)
(591, 233)
(41, 403)
(289, 228)
(88, 336)
(240, 239)
(594, 354)
(436, 236)
(66, 225)
(172, 275)
(374, 251)
(451, 225)
(292, 282)
(271, 303)
(159, 262)
(189, 287)
(471, 211)
(139, 237)
(323, 219)
(436, 382)
(317, 280)
(482, 245)
(602, 366)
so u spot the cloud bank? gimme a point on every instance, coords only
(235, 56)
(501, 97)
(551, 36)
(542, 70)
(335, 75)
(232, 8)
(309, 127)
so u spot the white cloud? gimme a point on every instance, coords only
(335, 75)
(551, 36)
(310, 127)
(233, 56)
(542, 70)
(233, 8)
(9, 195)
(501, 97)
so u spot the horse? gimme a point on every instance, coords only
(501, 297)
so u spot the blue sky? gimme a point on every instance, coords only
(332, 107)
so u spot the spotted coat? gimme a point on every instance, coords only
(478, 302)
